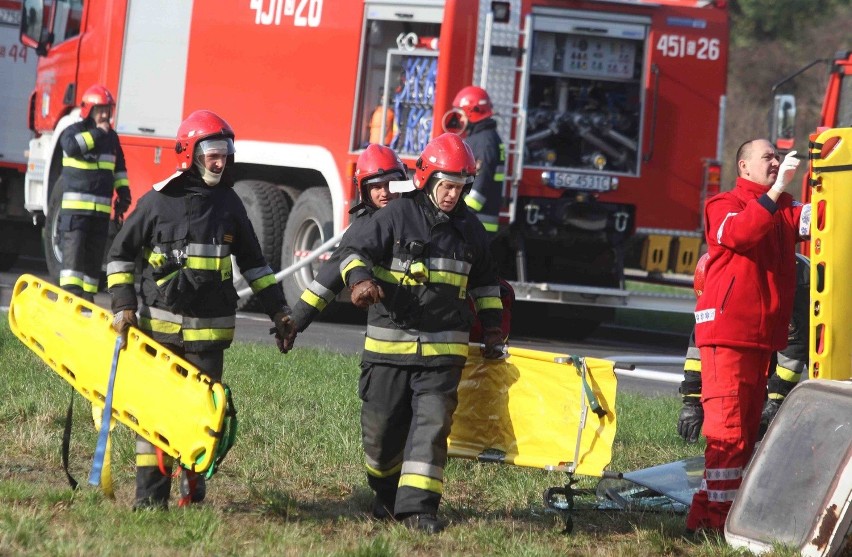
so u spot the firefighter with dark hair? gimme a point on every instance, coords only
(414, 264)
(786, 369)
(186, 229)
(92, 170)
(472, 117)
(376, 168)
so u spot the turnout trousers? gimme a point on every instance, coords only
(733, 393)
(83, 257)
(153, 482)
(406, 416)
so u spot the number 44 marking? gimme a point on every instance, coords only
(305, 13)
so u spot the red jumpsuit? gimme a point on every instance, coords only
(741, 319)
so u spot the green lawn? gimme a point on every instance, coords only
(294, 483)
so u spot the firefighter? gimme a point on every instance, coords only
(186, 229)
(787, 365)
(413, 264)
(92, 169)
(376, 167)
(742, 316)
(479, 129)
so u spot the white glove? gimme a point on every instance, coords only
(786, 172)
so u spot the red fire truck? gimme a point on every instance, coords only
(612, 113)
(18, 68)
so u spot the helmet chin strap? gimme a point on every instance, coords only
(210, 178)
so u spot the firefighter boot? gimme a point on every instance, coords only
(193, 488)
(153, 477)
(385, 490)
(424, 522)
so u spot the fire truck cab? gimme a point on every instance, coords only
(611, 111)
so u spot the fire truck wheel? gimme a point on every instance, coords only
(267, 209)
(310, 224)
(51, 235)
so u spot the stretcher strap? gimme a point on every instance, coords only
(103, 445)
(66, 441)
(228, 434)
(583, 371)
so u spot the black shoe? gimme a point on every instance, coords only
(150, 504)
(428, 523)
(380, 511)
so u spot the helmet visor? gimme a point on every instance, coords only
(220, 146)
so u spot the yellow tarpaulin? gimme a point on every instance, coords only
(527, 410)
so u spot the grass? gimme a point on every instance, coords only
(294, 482)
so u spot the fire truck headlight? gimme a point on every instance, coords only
(547, 178)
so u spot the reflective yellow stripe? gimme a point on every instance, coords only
(146, 460)
(389, 347)
(353, 264)
(208, 263)
(86, 206)
(91, 288)
(121, 183)
(262, 282)
(159, 326)
(197, 335)
(394, 277)
(692, 365)
(87, 137)
(490, 226)
(787, 374)
(71, 162)
(776, 396)
(446, 277)
(421, 482)
(119, 278)
(475, 205)
(167, 278)
(313, 300)
(383, 473)
(488, 302)
(444, 349)
(499, 176)
(71, 281)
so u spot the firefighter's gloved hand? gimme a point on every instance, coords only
(492, 343)
(690, 420)
(769, 410)
(122, 202)
(285, 330)
(122, 321)
(366, 293)
(786, 172)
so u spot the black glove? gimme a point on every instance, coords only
(284, 330)
(690, 420)
(366, 293)
(122, 202)
(492, 343)
(769, 410)
(122, 321)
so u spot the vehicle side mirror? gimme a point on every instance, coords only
(34, 33)
(782, 125)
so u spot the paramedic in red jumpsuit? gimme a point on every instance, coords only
(742, 316)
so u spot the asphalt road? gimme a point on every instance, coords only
(657, 356)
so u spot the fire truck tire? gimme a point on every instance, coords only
(310, 224)
(267, 208)
(51, 235)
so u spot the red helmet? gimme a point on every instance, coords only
(96, 95)
(700, 274)
(447, 155)
(377, 164)
(200, 125)
(474, 102)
